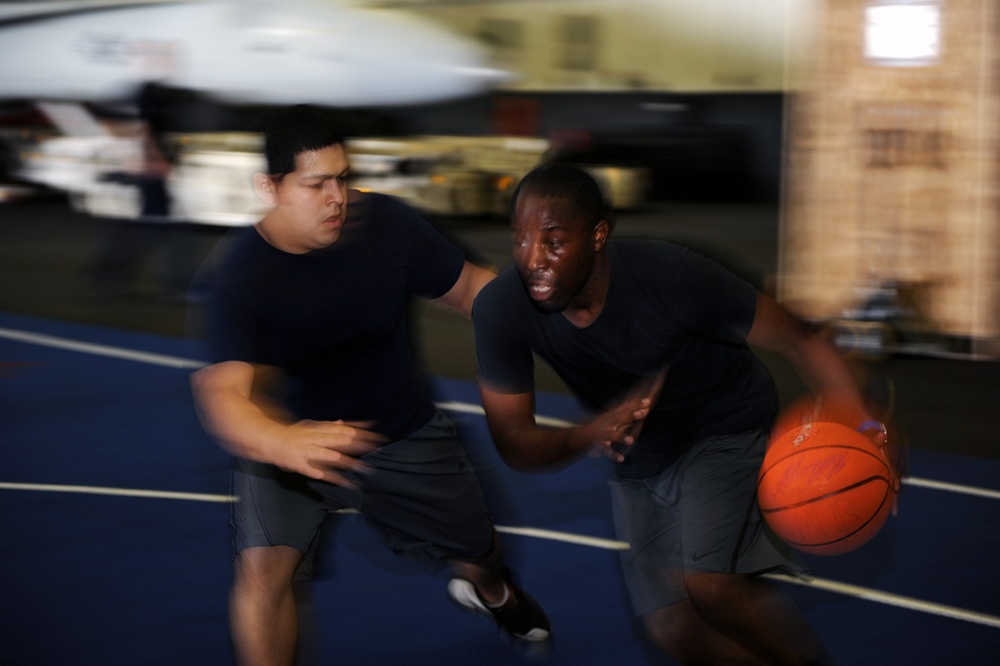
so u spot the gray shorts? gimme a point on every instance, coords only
(699, 515)
(422, 495)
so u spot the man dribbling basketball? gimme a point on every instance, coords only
(609, 316)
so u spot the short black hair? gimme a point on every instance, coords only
(568, 183)
(296, 130)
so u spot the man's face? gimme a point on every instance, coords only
(311, 202)
(554, 251)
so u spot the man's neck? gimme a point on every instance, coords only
(589, 303)
(269, 228)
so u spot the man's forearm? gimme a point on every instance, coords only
(826, 374)
(534, 449)
(242, 427)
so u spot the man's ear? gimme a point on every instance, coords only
(601, 233)
(264, 186)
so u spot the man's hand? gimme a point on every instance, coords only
(236, 406)
(528, 448)
(617, 429)
(322, 449)
(614, 432)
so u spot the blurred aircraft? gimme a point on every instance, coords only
(234, 51)
(214, 63)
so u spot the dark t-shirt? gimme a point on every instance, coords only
(667, 307)
(336, 321)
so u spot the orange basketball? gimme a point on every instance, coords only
(825, 488)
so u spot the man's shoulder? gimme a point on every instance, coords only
(389, 219)
(375, 206)
(240, 258)
(646, 247)
(502, 298)
(506, 285)
(641, 256)
(237, 245)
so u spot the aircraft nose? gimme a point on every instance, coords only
(443, 63)
(488, 76)
(458, 69)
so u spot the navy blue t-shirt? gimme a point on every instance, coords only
(667, 307)
(336, 321)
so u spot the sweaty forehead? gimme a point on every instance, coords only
(329, 161)
(546, 212)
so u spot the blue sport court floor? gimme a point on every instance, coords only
(115, 543)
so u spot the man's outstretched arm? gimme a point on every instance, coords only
(460, 297)
(231, 398)
(814, 359)
(528, 448)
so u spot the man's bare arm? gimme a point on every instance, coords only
(462, 294)
(526, 447)
(814, 359)
(234, 408)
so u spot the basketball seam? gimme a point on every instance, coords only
(846, 536)
(832, 493)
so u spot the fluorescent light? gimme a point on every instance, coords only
(903, 34)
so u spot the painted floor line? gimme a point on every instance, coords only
(121, 492)
(845, 589)
(99, 350)
(890, 599)
(951, 487)
(552, 535)
(566, 537)
(538, 533)
(460, 407)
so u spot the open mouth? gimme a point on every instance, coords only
(540, 290)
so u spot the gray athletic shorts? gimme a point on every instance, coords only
(699, 515)
(422, 495)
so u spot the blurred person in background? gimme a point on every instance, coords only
(130, 243)
(655, 340)
(314, 389)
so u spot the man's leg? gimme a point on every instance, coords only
(485, 587)
(262, 610)
(701, 513)
(680, 632)
(425, 497)
(759, 616)
(486, 575)
(725, 541)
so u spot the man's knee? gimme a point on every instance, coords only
(713, 594)
(675, 630)
(492, 559)
(266, 569)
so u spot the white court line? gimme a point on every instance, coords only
(951, 487)
(845, 589)
(177, 362)
(98, 350)
(462, 407)
(566, 537)
(890, 599)
(123, 492)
